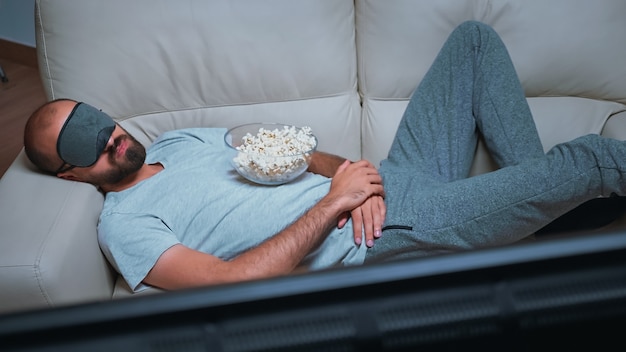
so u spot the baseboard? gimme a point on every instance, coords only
(18, 53)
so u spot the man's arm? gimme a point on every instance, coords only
(368, 218)
(325, 164)
(180, 267)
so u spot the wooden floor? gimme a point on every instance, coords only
(19, 97)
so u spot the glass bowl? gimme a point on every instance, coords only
(270, 153)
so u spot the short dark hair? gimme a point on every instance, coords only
(40, 119)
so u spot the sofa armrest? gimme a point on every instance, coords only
(49, 254)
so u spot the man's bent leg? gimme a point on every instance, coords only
(504, 206)
(471, 83)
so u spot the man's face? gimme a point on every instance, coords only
(122, 156)
(93, 148)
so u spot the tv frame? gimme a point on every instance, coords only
(567, 291)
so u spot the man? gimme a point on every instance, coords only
(182, 218)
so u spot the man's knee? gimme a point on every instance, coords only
(478, 31)
(471, 25)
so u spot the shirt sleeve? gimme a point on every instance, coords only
(133, 250)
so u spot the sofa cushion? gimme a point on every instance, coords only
(558, 119)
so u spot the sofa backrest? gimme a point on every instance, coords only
(157, 66)
(219, 63)
(572, 50)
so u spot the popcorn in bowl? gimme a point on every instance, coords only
(270, 154)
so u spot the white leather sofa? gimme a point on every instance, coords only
(344, 67)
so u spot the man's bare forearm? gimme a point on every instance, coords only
(282, 253)
(182, 267)
(351, 186)
(325, 164)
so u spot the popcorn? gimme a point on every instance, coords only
(275, 156)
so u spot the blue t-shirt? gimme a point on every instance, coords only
(198, 200)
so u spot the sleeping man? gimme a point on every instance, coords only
(177, 215)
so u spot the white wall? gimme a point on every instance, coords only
(17, 23)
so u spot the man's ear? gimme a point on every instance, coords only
(68, 176)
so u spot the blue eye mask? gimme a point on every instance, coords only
(84, 135)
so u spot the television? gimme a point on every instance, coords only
(565, 292)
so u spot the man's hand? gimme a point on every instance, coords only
(363, 184)
(353, 184)
(368, 218)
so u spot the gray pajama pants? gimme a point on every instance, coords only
(432, 204)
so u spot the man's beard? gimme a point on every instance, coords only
(134, 157)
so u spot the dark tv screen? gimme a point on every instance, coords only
(561, 293)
